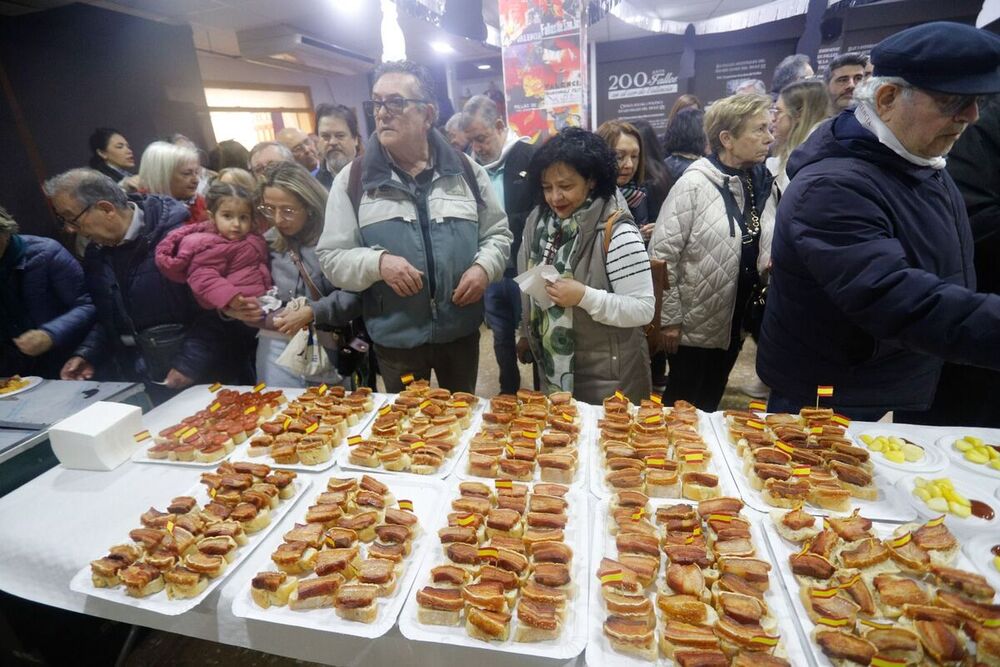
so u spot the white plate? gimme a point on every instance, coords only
(600, 488)
(934, 459)
(599, 650)
(588, 426)
(781, 550)
(426, 505)
(978, 551)
(33, 381)
(958, 459)
(185, 404)
(159, 602)
(343, 454)
(959, 526)
(888, 507)
(243, 449)
(574, 633)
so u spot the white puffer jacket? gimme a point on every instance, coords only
(694, 237)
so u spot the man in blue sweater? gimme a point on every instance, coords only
(873, 285)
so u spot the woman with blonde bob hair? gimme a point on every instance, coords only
(714, 232)
(174, 171)
(801, 106)
(294, 204)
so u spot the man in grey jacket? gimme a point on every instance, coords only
(417, 240)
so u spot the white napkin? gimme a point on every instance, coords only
(533, 282)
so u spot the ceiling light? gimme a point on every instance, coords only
(442, 47)
(484, 67)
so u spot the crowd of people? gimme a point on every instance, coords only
(820, 219)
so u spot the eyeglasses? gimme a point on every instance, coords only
(393, 105)
(73, 223)
(951, 105)
(284, 212)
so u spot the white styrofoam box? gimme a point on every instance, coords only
(99, 437)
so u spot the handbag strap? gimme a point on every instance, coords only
(608, 225)
(314, 292)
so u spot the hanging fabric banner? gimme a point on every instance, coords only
(543, 65)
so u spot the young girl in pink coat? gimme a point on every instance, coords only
(222, 260)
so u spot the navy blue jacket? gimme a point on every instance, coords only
(54, 298)
(150, 299)
(872, 281)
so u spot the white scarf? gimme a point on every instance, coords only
(871, 122)
(509, 142)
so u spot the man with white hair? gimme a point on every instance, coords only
(873, 285)
(456, 135)
(301, 146)
(267, 153)
(505, 156)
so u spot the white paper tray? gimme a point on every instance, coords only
(935, 460)
(584, 445)
(574, 634)
(426, 505)
(185, 404)
(956, 458)
(364, 421)
(889, 507)
(159, 603)
(971, 488)
(599, 650)
(343, 454)
(600, 488)
(977, 550)
(781, 550)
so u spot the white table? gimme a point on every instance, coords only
(60, 521)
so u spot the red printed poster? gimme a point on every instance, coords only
(543, 65)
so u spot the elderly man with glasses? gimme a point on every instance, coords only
(873, 285)
(416, 228)
(148, 328)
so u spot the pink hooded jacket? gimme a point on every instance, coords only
(215, 268)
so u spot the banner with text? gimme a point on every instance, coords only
(638, 89)
(543, 66)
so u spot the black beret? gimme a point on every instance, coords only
(944, 57)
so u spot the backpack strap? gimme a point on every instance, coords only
(470, 178)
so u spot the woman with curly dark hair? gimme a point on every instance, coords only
(589, 340)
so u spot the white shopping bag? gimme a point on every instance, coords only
(304, 355)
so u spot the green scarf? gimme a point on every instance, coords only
(553, 328)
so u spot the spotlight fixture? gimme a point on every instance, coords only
(442, 47)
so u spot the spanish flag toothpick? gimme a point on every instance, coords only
(823, 391)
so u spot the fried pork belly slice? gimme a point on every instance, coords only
(758, 660)
(518, 504)
(399, 517)
(865, 553)
(394, 552)
(791, 489)
(752, 570)
(551, 574)
(910, 556)
(700, 658)
(835, 607)
(442, 599)
(490, 624)
(450, 575)
(551, 489)
(269, 581)
(725, 505)
(686, 554)
(840, 645)
(464, 534)
(741, 546)
(356, 596)
(623, 604)
(330, 561)
(851, 474)
(941, 641)
(811, 565)
(154, 518)
(148, 538)
(138, 576)
(393, 534)
(346, 484)
(689, 635)
(645, 567)
(488, 595)
(797, 519)
(536, 535)
(897, 591)
(535, 614)
(340, 538)
(632, 499)
(628, 584)
(743, 609)
(637, 543)
(547, 504)
(474, 490)
(375, 571)
(462, 554)
(735, 584)
(545, 520)
(973, 585)
(923, 612)
(491, 573)
(742, 635)
(852, 528)
(472, 505)
(970, 609)
(109, 566)
(686, 579)
(895, 642)
(555, 552)
(935, 538)
(624, 479)
(318, 586)
(310, 533)
(356, 522)
(371, 484)
(684, 608)
(630, 631)
(857, 590)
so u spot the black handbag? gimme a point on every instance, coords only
(753, 314)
